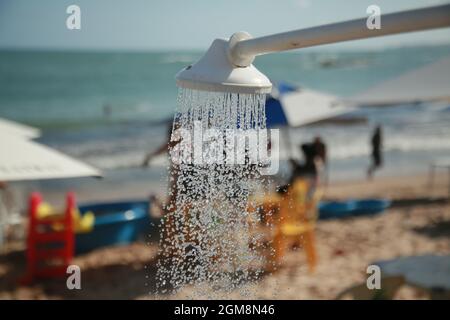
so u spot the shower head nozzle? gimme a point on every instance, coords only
(215, 72)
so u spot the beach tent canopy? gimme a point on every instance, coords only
(22, 159)
(293, 106)
(428, 83)
(17, 129)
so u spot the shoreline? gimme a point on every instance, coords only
(402, 186)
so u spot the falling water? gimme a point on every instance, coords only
(205, 235)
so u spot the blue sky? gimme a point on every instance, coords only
(178, 24)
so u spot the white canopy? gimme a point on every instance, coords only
(428, 83)
(18, 129)
(307, 106)
(22, 159)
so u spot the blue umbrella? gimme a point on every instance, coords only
(275, 115)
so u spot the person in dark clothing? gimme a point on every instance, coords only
(308, 167)
(377, 159)
(315, 155)
(320, 159)
(320, 150)
(303, 170)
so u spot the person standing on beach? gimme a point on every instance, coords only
(165, 147)
(320, 150)
(376, 143)
(320, 158)
(315, 155)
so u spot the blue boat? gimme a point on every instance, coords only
(370, 206)
(342, 209)
(115, 223)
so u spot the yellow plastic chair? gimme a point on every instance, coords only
(297, 222)
(82, 223)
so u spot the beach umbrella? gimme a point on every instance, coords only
(293, 106)
(17, 129)
(428, 83)
(23, 159)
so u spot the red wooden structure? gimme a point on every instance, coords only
(50, 242)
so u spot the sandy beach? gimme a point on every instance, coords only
(417, 223)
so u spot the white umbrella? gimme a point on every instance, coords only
(294, 106)
(428, 83)
(17, 129)
(22, 159)
(309, 106)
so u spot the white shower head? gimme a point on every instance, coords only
(216, 72)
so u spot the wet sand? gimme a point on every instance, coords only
(418, 223)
